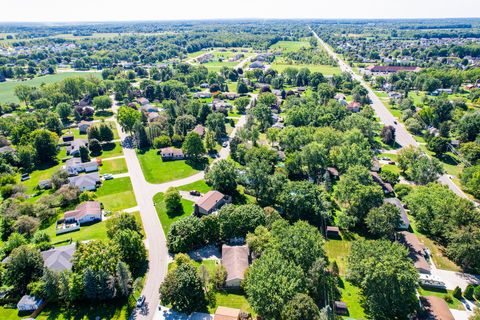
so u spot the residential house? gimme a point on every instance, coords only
(59, 259)
(74, 148)
(225, 313)
(333, 172)
(85, 212)
(231, 95)
(45, 184)
(392, 69)
(68, 138)
(143, 101)
(354, 106)
(74, 166)
(83, 126)
(405, 223)
(257, 65)
(436, 308)
(199, 129)
(153, 116)
(148, 108)
(210, 202)
(202, 95)
(387, 187)
(29, 303)
(417, 251)
(340, 96)
(171, 153)
(85, 182)
(235, 259)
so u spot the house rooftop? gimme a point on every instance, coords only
(60, 258)
(225, 313)
(208, 201)
(436, 308)
(235, 261)
(82, 209)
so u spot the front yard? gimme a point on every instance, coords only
(114, 166)
(158, 171)
(116, 194)
(167, 220)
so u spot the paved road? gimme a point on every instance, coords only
(402, 136)
(156, 240)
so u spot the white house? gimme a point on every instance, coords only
(29, 303)
(87, 211)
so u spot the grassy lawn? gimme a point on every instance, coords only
(41, 173)
(167, 220)
(455, 304)
(352, 296)
(116, 194)
(108, 310)
(111, 149)
(7, 89)
(112, 126)
(338, 250)
(440, 260)
(324, 69)
(9, 314)
(290, 46)
(200, 186)
(114, 166)
(96, 231)
(157, 171)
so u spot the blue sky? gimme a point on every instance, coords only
(121, 10)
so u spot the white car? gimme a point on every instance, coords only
(225, 144)
(107, 176)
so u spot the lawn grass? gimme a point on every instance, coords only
(9, 314)
(338, 250)
(290, 46)
(96, 231)
(167, 220)
(158, 171)
(324, 69)
(111, 149)
(352, 296)
(116, 194)
(114, 166)
(42, 172)
(200, 186)
(7, 89)
(116, 310)
(455, 304)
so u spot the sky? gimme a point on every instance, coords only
(131, 10)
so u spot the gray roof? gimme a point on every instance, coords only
(60, 258)
(29, 300)
(85, 180)
(403, 214)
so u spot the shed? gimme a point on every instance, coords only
(225, 313)
(341, 308)
(333, 232)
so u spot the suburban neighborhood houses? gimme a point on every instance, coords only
(240, 169)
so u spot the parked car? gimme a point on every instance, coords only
(225, 144)
(195, 193)
(140, 301)
(25, 176)
(107, 176)
(391, 162)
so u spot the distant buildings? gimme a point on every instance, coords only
(392, 69)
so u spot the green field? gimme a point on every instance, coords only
(158, 171)
(116, 194)
(290, 46)
(324, 69)
(7, 89)
(167, 220)
(114, 166)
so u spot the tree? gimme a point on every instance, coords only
(301, 307)
(184, 124)
(386, 276)
(470, 178)
(193, 146)
(468, 127)
(23, 93)
(26, 157)
(162, 142)
(131, 249)
(127, 117)
(242, 87)
(24, 266)
(64, 111)
(216, 123)
(388, 134)
(94, 133)
(141, 138)
(123, 279)
(210, 142)
(84, 156)
(463, 247)
(315, 158)
(122, 221)
(222, 176)
(237, 221)
(105, 133)
(439, 145)
(303, 200)
(259, 240)
(173, 202)
(102, 102)
(183, 289)
(186, 234)
(95, 147)
(383, 221)
(26, 225)
(45, 145)
(279, 286)
(418, 166)
(241, 104)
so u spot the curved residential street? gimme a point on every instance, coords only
(156, 242)
(402, 136)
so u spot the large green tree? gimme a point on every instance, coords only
(45, 145)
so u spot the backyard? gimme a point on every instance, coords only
(116, 194)
(114, 166)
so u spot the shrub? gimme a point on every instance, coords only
(457, 293)
(162, 142)
(476, 292)
(468, 293)
(448, 298)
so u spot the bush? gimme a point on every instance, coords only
(468, 293)
(402, 190)
(476, 292)
(457, 293)
(448, 298)
(162, 142)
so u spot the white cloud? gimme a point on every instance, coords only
(121, 10)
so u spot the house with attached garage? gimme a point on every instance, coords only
(74, 166)
(405, 222)
(210, 202)
(85, 182)
(59, 259)
(85, 212)
(235, 259)
(171, 153)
